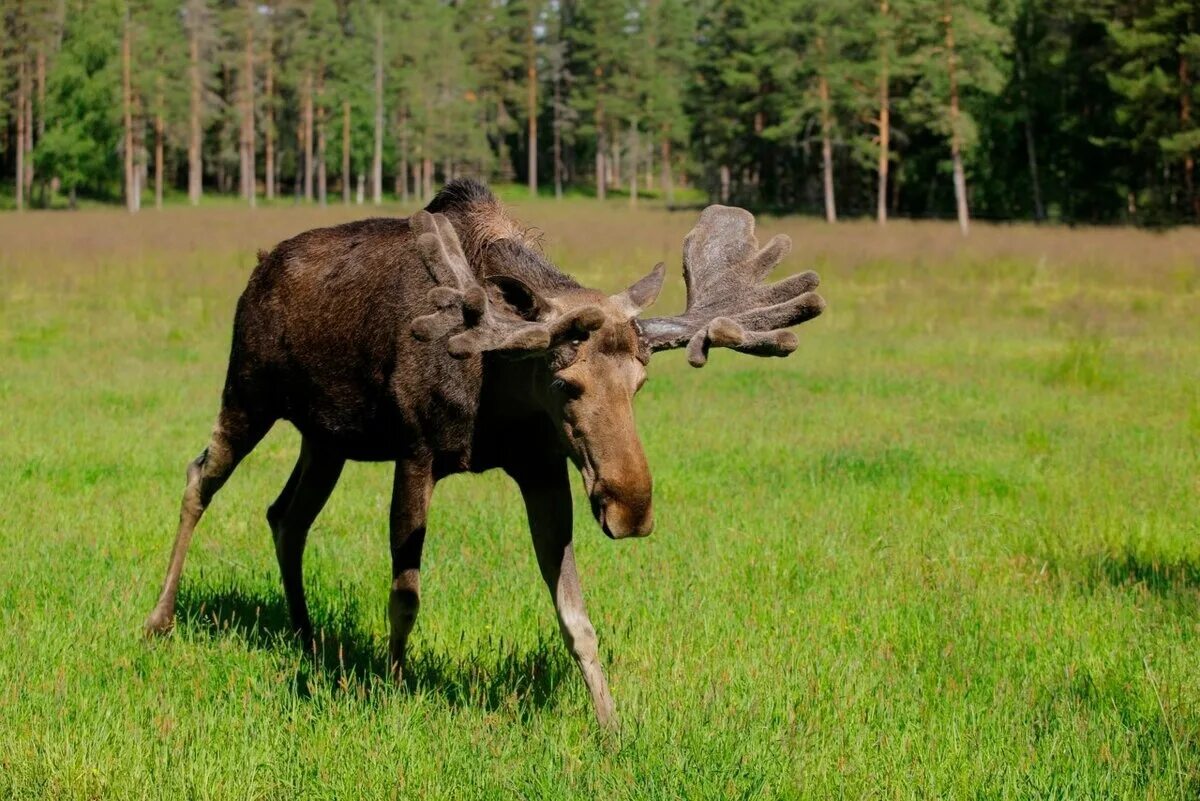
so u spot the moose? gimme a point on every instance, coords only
(446, 343)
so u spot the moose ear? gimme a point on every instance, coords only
(632, 301)
(515, 296)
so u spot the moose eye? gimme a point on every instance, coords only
(567, 387)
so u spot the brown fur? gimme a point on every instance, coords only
(447, 343)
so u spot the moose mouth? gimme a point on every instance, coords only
(599, 511)
(608, 514)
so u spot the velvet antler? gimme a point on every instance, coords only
(728, 306)
(484, 320)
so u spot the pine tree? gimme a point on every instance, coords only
(1155, 49)
(671, 26)
(816, 74)
(563, 115)
(380, 66)
(884, 66)
(961, 51)
(599, 48)
(199, 27)
(489, 69)
(83, 89)
(735, 100)
(245, 22)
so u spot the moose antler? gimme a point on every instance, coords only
(728, 306)
(464, 305)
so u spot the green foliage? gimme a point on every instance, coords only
(1072, 110)
(1154, 61)
(981, 41)
(83, 102)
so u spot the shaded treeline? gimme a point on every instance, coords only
(1079, 110)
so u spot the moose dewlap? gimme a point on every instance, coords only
(446, 343)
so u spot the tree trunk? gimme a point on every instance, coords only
(531, 79)
(40, 126)
(21, 90)
(308, 137)
(139, 162)
(346, 181)
(127, 114)
(269, 123)
(249, 179)
(41, 91)
(298, 183)
(633, 165)
(428, 192)
(1039, 211)
(558, 165)
(614, 159)
(1185, 124)
(895, 181)
(195, 140)
(827, 150)
(39, 77)
(650, 168)
(668, 184)
(377, 156)
(725, 181)
(601, 166)
(885, 119)
(960, 180)
(158, 148)
(402, 173)
(322, 168)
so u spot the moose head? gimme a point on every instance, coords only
(590, 351)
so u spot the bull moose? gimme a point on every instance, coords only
(447, 343)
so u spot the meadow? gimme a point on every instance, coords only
(949, 549)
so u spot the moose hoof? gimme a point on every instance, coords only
(158, 624)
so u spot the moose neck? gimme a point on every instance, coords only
(512, 426)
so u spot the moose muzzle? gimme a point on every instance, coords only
(628, 512)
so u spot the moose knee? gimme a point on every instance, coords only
(207, 473)
(195, 468)
(403, 606)
(193, 496)
(275, 517)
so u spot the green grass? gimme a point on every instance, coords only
(949, 549)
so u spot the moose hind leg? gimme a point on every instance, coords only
(411, 491)
(292, 515)
(234, 436)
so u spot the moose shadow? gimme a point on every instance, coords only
(505, 676)
(1175, 578)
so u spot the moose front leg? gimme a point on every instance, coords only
(411, 491)
(547, 494)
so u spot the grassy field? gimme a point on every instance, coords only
(949, 549)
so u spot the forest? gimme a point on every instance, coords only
(1076, 111)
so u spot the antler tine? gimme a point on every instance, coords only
(463, 304)
(728, 306)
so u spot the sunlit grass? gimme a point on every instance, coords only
(950, 548)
